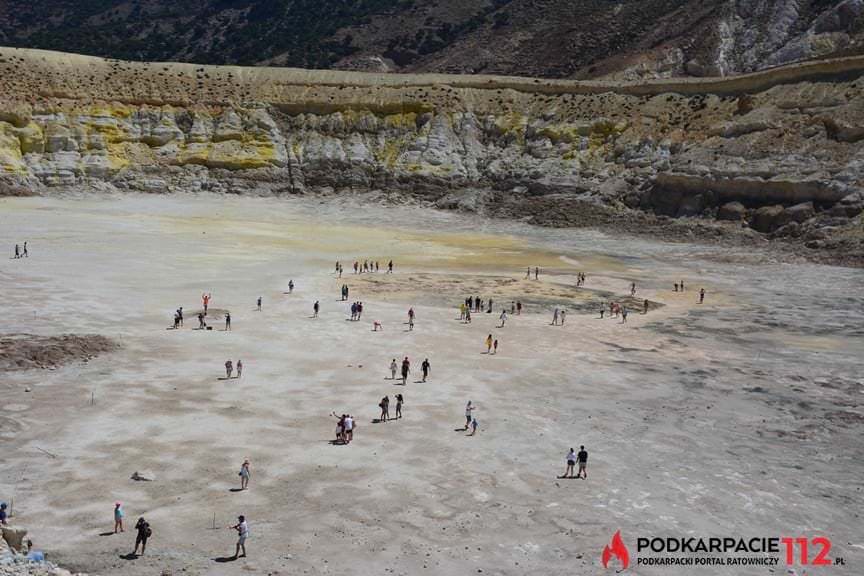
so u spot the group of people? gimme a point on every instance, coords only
(229, 368)
(384, 405)
(536, 273)
(142, 528)
(559, 316)
(356, 311)
(366, 266)
(470, 419)
(21, 251)
(491, 345)
(574, 458)
(345, 422)
(344, 428)
(616, 309)
(178, 318)
(477, 304)
(406, 369)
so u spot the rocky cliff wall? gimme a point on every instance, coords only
(677, 148)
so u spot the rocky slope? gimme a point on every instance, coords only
(545, 38)
(779, 153)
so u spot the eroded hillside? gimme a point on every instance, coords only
(780, 151)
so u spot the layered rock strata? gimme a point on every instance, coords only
(781, 151)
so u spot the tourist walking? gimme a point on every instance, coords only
(425, 367)
(118, 517)
(469, 408)
(503, 318)
(227, 321)
(393, 368)
(259, 303)
(489, 344)
(384, 404)
(399, 402)
(701, 295)
(229, 368)
(239, 368)
(315, 308)
(245, 474)
(205, 298)
(406, 369)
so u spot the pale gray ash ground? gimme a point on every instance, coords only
(739, 416)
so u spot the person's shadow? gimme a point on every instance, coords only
(223, 559)
(235, 489)
(129, 556)
(106, 534)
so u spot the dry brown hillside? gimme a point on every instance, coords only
(544, 38)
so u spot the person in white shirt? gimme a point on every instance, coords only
(503, 318)
(242, 529)
(571, 464)
(468, 409)
(349, 428)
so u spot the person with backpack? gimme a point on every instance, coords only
(143, 534)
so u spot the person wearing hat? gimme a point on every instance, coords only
(245, 474)
(118, 517)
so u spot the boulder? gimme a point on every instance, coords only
(765, 219)
(734, 211)
(797, 213)
(849, 206)
(14, 537)
(691, 205)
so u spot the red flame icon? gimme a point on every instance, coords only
(616, 548)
